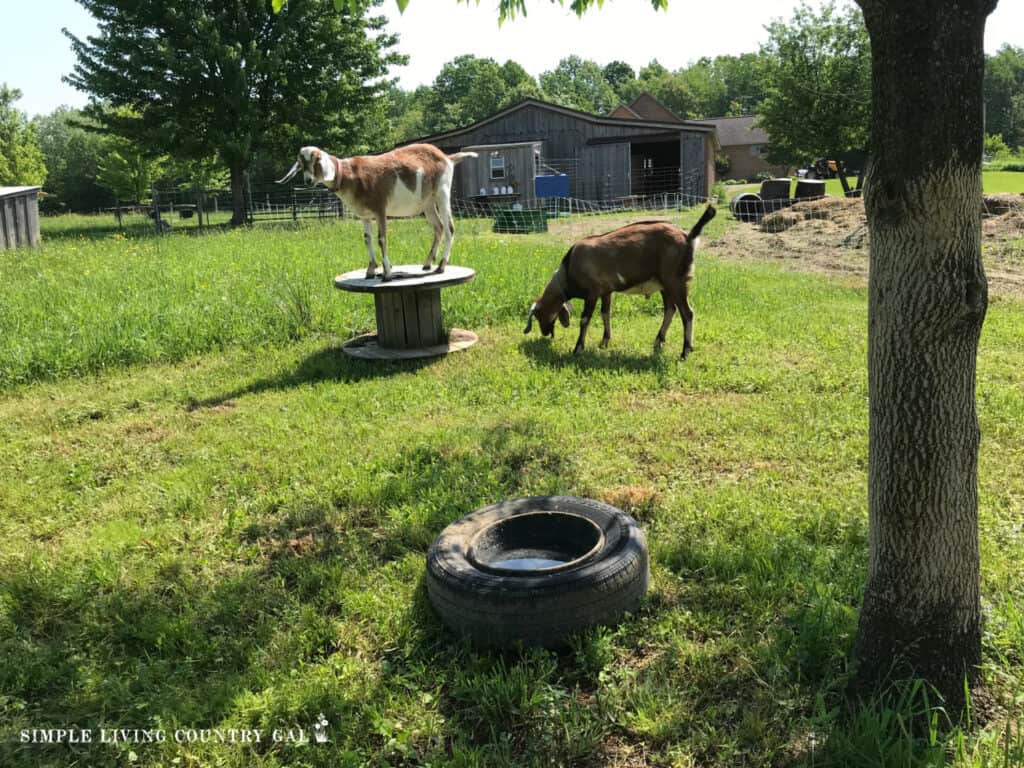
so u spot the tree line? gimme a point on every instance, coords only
(220, 94)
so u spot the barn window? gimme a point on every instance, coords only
(497, 165)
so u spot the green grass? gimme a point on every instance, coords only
(1003, 181)
(215, 519)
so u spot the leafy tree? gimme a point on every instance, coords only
(744, 79)
(128, 171)
(1004, 94)
(21, 160)
(819, 84)
(467, 89)
(235, 80)
(618, 74)
(580, 85)
(996, 147)
(519, 84)
(72, 153)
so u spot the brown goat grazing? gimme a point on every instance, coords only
(404, 182)
(644, 257)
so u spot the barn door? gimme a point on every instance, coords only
(604, 172)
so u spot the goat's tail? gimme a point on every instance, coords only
(458, 157)
(708, 215)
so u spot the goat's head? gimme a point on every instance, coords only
(546, 314)
(315, 164)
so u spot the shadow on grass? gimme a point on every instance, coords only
(257, 624)
(328, 364)
(542, 351)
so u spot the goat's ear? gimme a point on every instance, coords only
(529, 318)
(325, 164)
(563, 314)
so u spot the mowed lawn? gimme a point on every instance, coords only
(214, 519)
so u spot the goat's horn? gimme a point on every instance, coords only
(295, 169)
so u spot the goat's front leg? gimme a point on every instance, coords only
(382, 240)
(666, 323)
(371, 270)
(606, 317)
(588, 310)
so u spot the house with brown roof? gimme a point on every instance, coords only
(745, 145)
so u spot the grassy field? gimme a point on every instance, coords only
(214, 519)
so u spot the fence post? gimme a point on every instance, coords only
(295, 212)
(157, 221)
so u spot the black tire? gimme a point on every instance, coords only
(747, 206)
(534, 607)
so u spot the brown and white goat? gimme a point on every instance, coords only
(408, 181)
(644, 257)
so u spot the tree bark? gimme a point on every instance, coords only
(238, 211)
(927, 298)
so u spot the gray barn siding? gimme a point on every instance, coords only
(19, 216)
(473, 174)
(566, 137)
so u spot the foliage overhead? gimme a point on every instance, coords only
(818, 84)
(21, 161)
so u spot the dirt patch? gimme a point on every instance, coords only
(831, 236)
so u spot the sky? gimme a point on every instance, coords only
(34, 55)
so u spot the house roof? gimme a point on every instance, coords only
(738, 131)
(624, 112)
(649, 108)
(586, 116)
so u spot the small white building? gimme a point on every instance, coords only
(19, 216)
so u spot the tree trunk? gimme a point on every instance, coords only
(927, 298)
(238, 210)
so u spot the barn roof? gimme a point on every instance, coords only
(738, 131)
(8, 191)
(630, 123)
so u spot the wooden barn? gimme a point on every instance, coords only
(19, 216)
(604, 158)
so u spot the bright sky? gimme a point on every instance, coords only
(34, 54)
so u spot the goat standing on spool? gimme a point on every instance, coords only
(644, 257)
(404, 182)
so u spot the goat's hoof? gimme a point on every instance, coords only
(686, 354)
(603, 344)
(426, 267)
(439, 270)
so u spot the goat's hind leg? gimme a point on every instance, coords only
(435, 221)
(682, 302)
(666, 323)
(606, 317)
(444, 212)
(382, 240)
